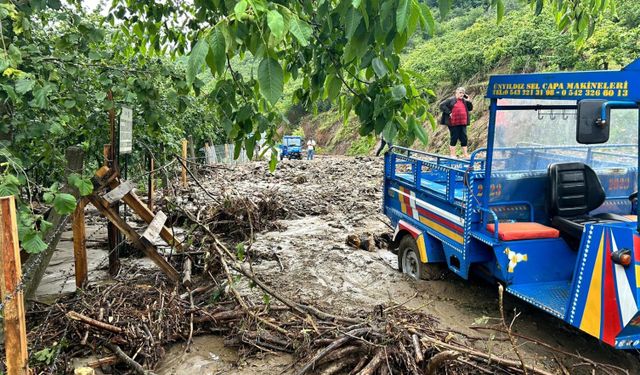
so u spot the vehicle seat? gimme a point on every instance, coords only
(575, 190)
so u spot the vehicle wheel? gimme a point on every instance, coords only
(409, 262)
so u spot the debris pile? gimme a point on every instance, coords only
(127, 324)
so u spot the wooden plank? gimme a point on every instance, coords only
(133, 201)
(139, 242)
(119, 192)
(80, 245)
(154, 228)
(184, 158)
(15, 327)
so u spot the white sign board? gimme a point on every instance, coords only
(126, 130)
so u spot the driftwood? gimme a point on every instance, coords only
(92, 322)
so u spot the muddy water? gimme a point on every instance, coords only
(208, 355)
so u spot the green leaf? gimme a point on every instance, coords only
(40, 97)
(432, 120)
(357, 46)
(539, 6)
(250, 146)
(332, 86)
(23, 86)
(301, 30)
(379, 68)
(271, 80)
(196, 60)
(48, 197)
(418, 130)
(217, 56)
(399, 92)
(84, 186)
(239, 9)
(402, 15)
(240, 252)
(352, 21)
(9, 189)
(431, 23)
(273, 162)
(32, 243)
(64, 204)
(390, 132)
(276, 24)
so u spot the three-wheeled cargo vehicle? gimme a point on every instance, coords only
(547, 208)
(291, 147)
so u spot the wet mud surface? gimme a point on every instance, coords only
(303, 254)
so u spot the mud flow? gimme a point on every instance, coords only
(295, 223)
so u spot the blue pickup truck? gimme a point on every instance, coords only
(547, 208)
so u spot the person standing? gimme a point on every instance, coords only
(311, 145)
(455, 114)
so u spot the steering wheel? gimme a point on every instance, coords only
(633, 196)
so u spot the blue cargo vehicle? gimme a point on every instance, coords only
(547, 208)
(291, 147)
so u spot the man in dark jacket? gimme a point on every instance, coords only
(455, 114)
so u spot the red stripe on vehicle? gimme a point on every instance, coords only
(636, 247)
(440, 220)
(611, 315)
(409, 228)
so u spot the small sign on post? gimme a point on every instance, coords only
(126, 131)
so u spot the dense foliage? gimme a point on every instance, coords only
(63, 70)
(59, 68)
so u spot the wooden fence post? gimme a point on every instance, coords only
(184, 159)
(15, 328)
(75, 162)
(80, 245)
(151, 183)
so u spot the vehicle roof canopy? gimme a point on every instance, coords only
(619, 85)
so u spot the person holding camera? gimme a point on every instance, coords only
(455, 114)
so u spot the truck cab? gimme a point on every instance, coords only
(291, 147)
(548, 208)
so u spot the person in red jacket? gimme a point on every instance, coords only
(455, 114)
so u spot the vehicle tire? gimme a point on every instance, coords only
(409, 262)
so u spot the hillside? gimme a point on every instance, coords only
(469, 47)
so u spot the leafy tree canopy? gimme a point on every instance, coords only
(333, 48)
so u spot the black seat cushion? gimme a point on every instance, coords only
(571, 228)
(574, 191)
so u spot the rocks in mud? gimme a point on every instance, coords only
(362, 241)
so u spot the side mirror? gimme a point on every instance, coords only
(591, 127)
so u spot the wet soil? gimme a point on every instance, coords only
(304, 256)
(330, 198)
